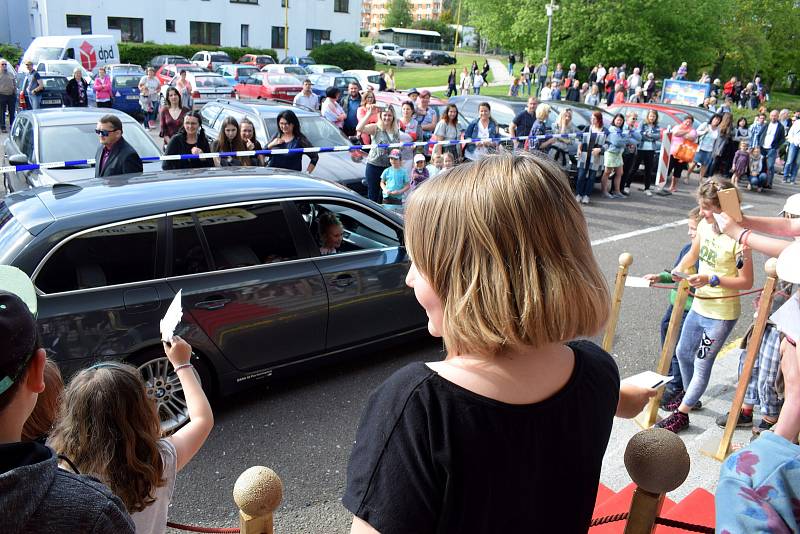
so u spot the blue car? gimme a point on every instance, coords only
(125, 91)
(321, 82)
(234, 72)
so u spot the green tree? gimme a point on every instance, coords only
(448, 34)
(399, 15)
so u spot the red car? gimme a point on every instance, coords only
(272, 85)
(166, 72)
(256, 59)
(667, 116)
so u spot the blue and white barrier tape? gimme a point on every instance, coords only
(267, 152)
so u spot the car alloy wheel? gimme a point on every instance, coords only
(163, 386)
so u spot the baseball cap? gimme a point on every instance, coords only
(424, 92)
(792, 205)
(418, 157)
(394, 154)
(412, 91)
(788, 267)
(17, 324)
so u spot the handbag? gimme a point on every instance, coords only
(686, 151)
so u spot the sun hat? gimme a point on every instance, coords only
(788, 267)
(418, 157)
(792, 205)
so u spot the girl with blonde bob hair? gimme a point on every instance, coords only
(516, 416)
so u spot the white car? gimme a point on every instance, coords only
(206, 86)
(210, 60)
(62, 67)
(367, 78)
(388, 57)
(323, 69)
(297, 71)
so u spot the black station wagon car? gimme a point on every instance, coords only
(107, 256)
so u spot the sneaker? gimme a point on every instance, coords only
(762, 426)
(648, 193)
(585, 199)
(663, 192)
(577, 198)
(672, 404)
(675, 422)
(743, 421)
(619, 195)
(749, 187)
(642, 188)
(626, 191)
(608, 195)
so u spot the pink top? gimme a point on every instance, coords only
(677, 140)
(360, 112)
(102, 88)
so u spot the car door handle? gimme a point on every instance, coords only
(343, 280)
(213, 303)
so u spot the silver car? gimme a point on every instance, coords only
(206, 86)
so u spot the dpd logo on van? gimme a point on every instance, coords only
(88, 56)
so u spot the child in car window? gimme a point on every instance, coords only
(330, 233)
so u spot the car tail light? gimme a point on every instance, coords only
(22, 104)
(210, 66)
(233, 94)
(195, 94)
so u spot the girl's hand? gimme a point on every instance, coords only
(728, 226)
(698, 280)
(250, 145)
(652, 278)
(196, 151)
(179, 353)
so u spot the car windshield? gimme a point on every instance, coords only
(40, 54)
(343, 81)
(375, 78)
(210, 81)
(317, 129)
(220, 58)
(264, 59)
(505, 113)
(296, 70)
(244, 72)
(282, 79)
(335, 70)
(127, 81)
(177, 60)
(83, 142)
(54, 83)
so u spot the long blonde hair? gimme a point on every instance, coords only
(504, 276)
(109, 428)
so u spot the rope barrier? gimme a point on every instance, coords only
(740, 294)
(309, 150)
(212, 530)
(596, 522)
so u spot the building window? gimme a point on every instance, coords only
(278, 37)
(204, 32)
(314, 38)
(171, 25)
(341, 6)
(129, 29)
(245, 41)
(84, 22)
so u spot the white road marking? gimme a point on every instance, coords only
(643, 231)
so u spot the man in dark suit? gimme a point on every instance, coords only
(770, 140)
(114, 156)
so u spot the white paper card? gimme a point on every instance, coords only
(171, 318)
(718, 219)
(636, 281)
(648, 379)
(787, 317)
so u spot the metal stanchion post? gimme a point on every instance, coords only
(625, 261)
(257, 492)
(722, 451)
(647, 418)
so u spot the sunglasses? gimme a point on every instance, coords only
(105, 133)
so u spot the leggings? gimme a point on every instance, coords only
(373, 175)
(648, 157)
(701, 339)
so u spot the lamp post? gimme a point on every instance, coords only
(286, 28)
(549, 8)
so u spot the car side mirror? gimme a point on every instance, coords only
(18, 159)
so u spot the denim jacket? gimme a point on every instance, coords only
(651, 137)
(616, 140)
(472, 131)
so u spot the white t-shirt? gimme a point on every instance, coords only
(772, 129)
(153, 519)
(483, 133)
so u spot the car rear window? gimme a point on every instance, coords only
(283, 79)
(264, 59)
(296, 70)
(55, 83)
(244, 72)
(210, 81)
(12, 235)
(220, 58)
(375, 78)
(127, 81)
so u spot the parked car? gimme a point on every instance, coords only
(321, 82)
(167, 60)
(62, 67)
(206, 86)
(366, 78)
(127, 68)
(108, 256)
(297, 60)
(388, 57)
(125, 88)
(413, 55)
(272, 85)
(233, 73)
(167, 71)
(503, 110)
(53, 96)
(386, 46)
(258, 60)
(342, 167)
(50, 135)
(699, 114)
(667, 116)
(323, 69)
(298, 71)
(210, 60)
(581, 113)
(437, 57)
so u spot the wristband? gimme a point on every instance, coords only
(746, 238)
(713, 281)
(183, 366)
(741, 235)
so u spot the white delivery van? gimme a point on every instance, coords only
(91, 51)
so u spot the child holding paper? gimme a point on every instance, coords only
(716, 306)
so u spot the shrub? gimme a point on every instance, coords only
(142, 53)
(343, 54)
(11, 53)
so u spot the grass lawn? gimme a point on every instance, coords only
(500, 90)
(408, 77)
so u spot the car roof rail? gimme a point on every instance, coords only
(65, 189)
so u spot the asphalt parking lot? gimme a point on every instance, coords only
(304, 427)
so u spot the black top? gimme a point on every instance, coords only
(76, 93)
(431, 456)
(122, 159)
(524, 122)
(178, 145)
(292, 162)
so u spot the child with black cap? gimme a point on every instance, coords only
(35, 494)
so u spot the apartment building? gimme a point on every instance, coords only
(374, 12)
